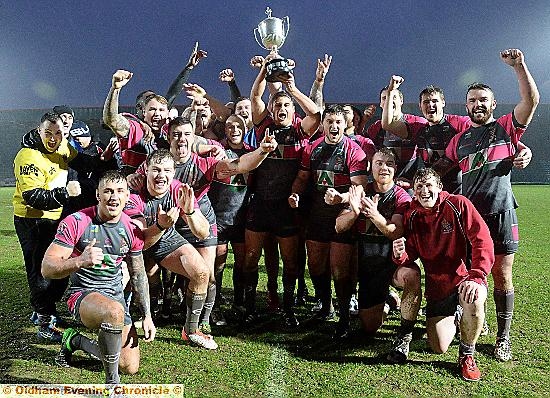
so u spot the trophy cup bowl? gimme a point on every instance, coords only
(272, 34)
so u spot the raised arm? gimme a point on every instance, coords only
(183, 77)
(313, 113)
(218, 108)
(259, 110)
(228, 76)
(116, 122)
(528, 91)
(391, 115)
(316, 92)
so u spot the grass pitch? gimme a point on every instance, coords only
(267, 361)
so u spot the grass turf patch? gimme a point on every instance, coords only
(269, 361)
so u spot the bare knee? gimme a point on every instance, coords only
(129, 368)
(199, 274)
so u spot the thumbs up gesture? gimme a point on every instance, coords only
(91, 255)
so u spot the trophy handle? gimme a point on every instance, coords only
(285, 19)
(257, 41)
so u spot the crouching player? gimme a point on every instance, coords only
(443, 230)
(376, 217)
(90, 246)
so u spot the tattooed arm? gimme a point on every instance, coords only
(116, 122)
(140, 287)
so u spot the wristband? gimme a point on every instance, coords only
(159, 226)
(189, 214)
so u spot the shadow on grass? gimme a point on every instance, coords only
(7, 232)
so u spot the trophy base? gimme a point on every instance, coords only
(277, 70)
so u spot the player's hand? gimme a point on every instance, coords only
(227, 75)
(194, 90)
(332, 197)
(468, 291)
(149, 329)
(289, 83)
(323, 66)
(217, 152)
(186, 198)
(257, 61)
(403, 183)
(167, 219)
(196, 56)
(110, 149)
(120, 78)
(268, 144)
(395, 82)
(523, 158)
(135, 181)
(73, 188)
(369, 206)
(512, 57)
(398, 247)
(293, 200)
(369, 112)
(91, 255)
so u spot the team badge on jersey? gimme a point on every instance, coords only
(477, 160)
(325, 178)
(446, 227)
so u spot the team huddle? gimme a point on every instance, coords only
(150, 215)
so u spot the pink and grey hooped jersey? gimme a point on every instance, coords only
(134, 149)
(432, 141)
(485, 155)
(274, 177)
(117, 240)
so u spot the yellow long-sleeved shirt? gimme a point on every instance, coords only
(34, 169)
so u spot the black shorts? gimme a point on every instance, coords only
(274, 216)
(504, 231)
(375, 275)
(323, 229)
(77, 295)
(230, 233)
(170, 241)
(444, 307)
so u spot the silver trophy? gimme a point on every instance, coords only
(272, 35)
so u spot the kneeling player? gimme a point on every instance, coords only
(90, 246)
(442, 230)
(377, 218)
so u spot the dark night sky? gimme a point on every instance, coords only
(66, 51)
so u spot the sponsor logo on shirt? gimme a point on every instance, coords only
(28, 169)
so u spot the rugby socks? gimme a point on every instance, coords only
(250, 280)
(81, 342)
(219, 281)
(343, 290)
(195, 303)
(504, 303)
(238, 286)
(466, 349)
(406, 327)
(289, 285)
(322, 285)
(209, 303)
(110, 343)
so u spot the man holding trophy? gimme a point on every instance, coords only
(269, 210)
